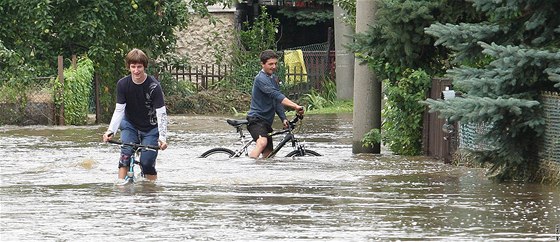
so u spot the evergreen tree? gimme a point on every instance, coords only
(505, 62)
(401, 53)
(398, 39)
(309, 12)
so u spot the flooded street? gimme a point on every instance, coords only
(59, 184)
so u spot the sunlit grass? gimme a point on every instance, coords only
(337, 107)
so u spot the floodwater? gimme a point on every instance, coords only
(59, 184)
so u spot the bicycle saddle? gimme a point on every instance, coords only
(237, 122)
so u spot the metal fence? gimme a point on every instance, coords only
(31, 106)
(551, 145)
(470, 136)
(470, 133)
(36, 104)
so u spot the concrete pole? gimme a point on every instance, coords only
(344, 58)
(367, 88)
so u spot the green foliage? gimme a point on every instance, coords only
(321, 99)
(173, 87)
(261, 34)
(315, 12)
(397, 37)
(170, 85)
(308, 16)
(25, 26)
(17, 79)
(16, 73)
(372, 138)
(504, 89)
(329, 90)
(314, 100)
(339, 106)
(254, 39)
(403, 112)
(39, 30)
(75, 92)
(468, 51)
(554, 75)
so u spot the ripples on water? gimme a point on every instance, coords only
(58, 184)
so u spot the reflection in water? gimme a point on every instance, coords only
(59, 183)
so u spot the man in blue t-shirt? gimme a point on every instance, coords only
(140, 114)
(267, 100)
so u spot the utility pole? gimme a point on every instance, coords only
(344, 59)
(367, 88)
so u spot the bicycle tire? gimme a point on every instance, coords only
(215, 151)
(306, 152)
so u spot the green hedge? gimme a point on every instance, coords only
(77, 90)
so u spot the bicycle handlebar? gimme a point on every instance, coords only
(292, 125)
(297, 118)
(134, 145)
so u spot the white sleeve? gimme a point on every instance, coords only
(118, 115)
(161, 115)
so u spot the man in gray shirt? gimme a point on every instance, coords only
(267, 100)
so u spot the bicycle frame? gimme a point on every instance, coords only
(136, 152)
(239, 124)
(299, 149)
(289, 137)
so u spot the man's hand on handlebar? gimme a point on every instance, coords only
(299, 110)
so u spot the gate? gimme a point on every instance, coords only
(436, 142)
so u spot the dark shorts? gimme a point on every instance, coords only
(259, 127)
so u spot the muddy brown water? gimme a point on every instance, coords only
(59, 184)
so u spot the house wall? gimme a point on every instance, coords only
(206, 43)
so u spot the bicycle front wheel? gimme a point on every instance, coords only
(218, 153)
(302, 152)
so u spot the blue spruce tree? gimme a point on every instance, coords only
(505, 64)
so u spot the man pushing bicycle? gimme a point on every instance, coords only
(267, 100)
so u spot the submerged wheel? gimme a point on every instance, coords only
(305, 152)
(218, 152)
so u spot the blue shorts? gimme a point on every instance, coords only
(129, 134)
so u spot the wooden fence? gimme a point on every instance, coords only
(204, 76)
(319, 66)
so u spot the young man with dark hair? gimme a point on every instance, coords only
(267, 100)
(140, 114)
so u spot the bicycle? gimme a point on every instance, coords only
(131, 176)
(240, 125)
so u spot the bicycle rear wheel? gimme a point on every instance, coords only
(303, 152)
(218, 152)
